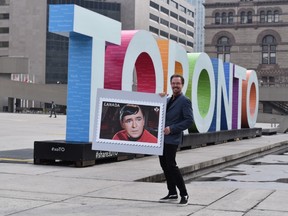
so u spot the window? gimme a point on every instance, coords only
(224, 18)
(182, 41)
(269, 17)
(191, 34)
(190, 23)
(173, 37)
(230, 18)
(154, 30)
(183, 30)
(262, 17)
(174, 26)
(4, 16)
(4, 44)
(223, 49)
(271, 80)
(4, 30)
(243, 17)
(154, 18)
(217, 18)
(164, 10)
(164, 22)
(182, 19)
(264, 79)
(190, 44)
(4, 2)
(269, 50)
(174, 15)
(276, 16)
(249, 17)
(164, 34)
(154, 5)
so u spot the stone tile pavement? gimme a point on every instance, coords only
(113, 189)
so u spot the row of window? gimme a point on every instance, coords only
(171, 14)
(90, 4)
(4, 44)
(4, 16)
(170, 25)
(268, 49)
(4, 30)
(4, 2)
(269, 16)
(171, 36)
(179, 7)
(247, 17)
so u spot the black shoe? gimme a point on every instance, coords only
(169, 198)
(183, 201)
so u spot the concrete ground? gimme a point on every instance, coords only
(113, 189)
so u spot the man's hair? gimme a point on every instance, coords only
(129, 109)
(177, 75)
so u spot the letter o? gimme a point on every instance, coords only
(202, 90)
(250, 94)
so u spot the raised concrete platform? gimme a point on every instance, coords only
(269, 131)
(81, 154)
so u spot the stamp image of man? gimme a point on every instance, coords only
(132, 121)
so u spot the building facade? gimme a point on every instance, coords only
(24, 37)
(57, 45)
(24, 33)
(168, 19)
(199, 24)
(251, 34)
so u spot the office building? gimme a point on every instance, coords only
(24, 37)
(199, 18)
(168, 19)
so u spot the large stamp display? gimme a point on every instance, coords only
(131, 122)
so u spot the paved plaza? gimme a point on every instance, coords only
(115, 189)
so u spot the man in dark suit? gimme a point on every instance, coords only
(179, 117)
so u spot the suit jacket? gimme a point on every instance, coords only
(179, 117)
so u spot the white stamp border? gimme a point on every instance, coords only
(116, 96)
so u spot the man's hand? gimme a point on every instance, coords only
(167, 130)
(163, 94)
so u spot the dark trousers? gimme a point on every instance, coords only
(171, 171)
